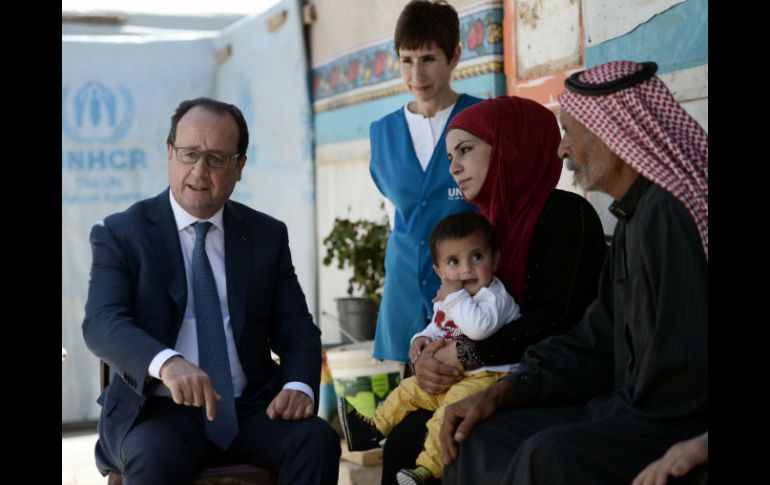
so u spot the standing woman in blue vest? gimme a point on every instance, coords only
(409, 165)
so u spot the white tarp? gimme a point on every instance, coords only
(607, 19)
(118, 95)
(266, 77)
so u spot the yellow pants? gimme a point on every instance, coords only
(408, 397)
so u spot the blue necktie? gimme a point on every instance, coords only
(212, 346)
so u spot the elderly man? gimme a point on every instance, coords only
(597, 404)
(189, 293)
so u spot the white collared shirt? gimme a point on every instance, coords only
(187, 340)
(426, 132)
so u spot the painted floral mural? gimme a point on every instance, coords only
(481, 34)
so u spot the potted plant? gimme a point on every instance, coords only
(359, 245)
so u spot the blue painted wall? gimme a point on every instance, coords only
(352, 122)
(676, 39)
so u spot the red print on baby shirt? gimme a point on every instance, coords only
(448, 327)
(439, 318)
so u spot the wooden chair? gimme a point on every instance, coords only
(215, 473)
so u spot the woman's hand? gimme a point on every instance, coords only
(448, 355)
(432, 375)
(416, 348)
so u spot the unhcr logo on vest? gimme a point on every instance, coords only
(96, 113)
(454, 193)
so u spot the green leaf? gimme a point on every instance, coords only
(359, 245)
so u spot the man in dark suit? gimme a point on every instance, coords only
(189, 293)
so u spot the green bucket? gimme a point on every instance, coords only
(363, 381)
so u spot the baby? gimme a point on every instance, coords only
(470, 301)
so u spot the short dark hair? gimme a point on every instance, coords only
(460, 226)
(217, 107)
(423, 22)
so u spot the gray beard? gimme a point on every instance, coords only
(572, 165)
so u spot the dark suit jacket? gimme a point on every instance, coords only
(138, 293)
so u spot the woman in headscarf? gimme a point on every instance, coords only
(503, 154)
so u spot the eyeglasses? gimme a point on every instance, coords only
(190, 156)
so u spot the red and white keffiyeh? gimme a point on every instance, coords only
(650, 131)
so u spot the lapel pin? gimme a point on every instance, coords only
(244, 238)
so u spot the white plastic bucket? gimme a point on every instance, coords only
(361, 379)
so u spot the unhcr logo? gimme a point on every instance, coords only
(96, 113)
(454, 193)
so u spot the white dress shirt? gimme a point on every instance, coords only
(426, 132)
(187, 339)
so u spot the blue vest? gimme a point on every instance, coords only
(422, 199)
